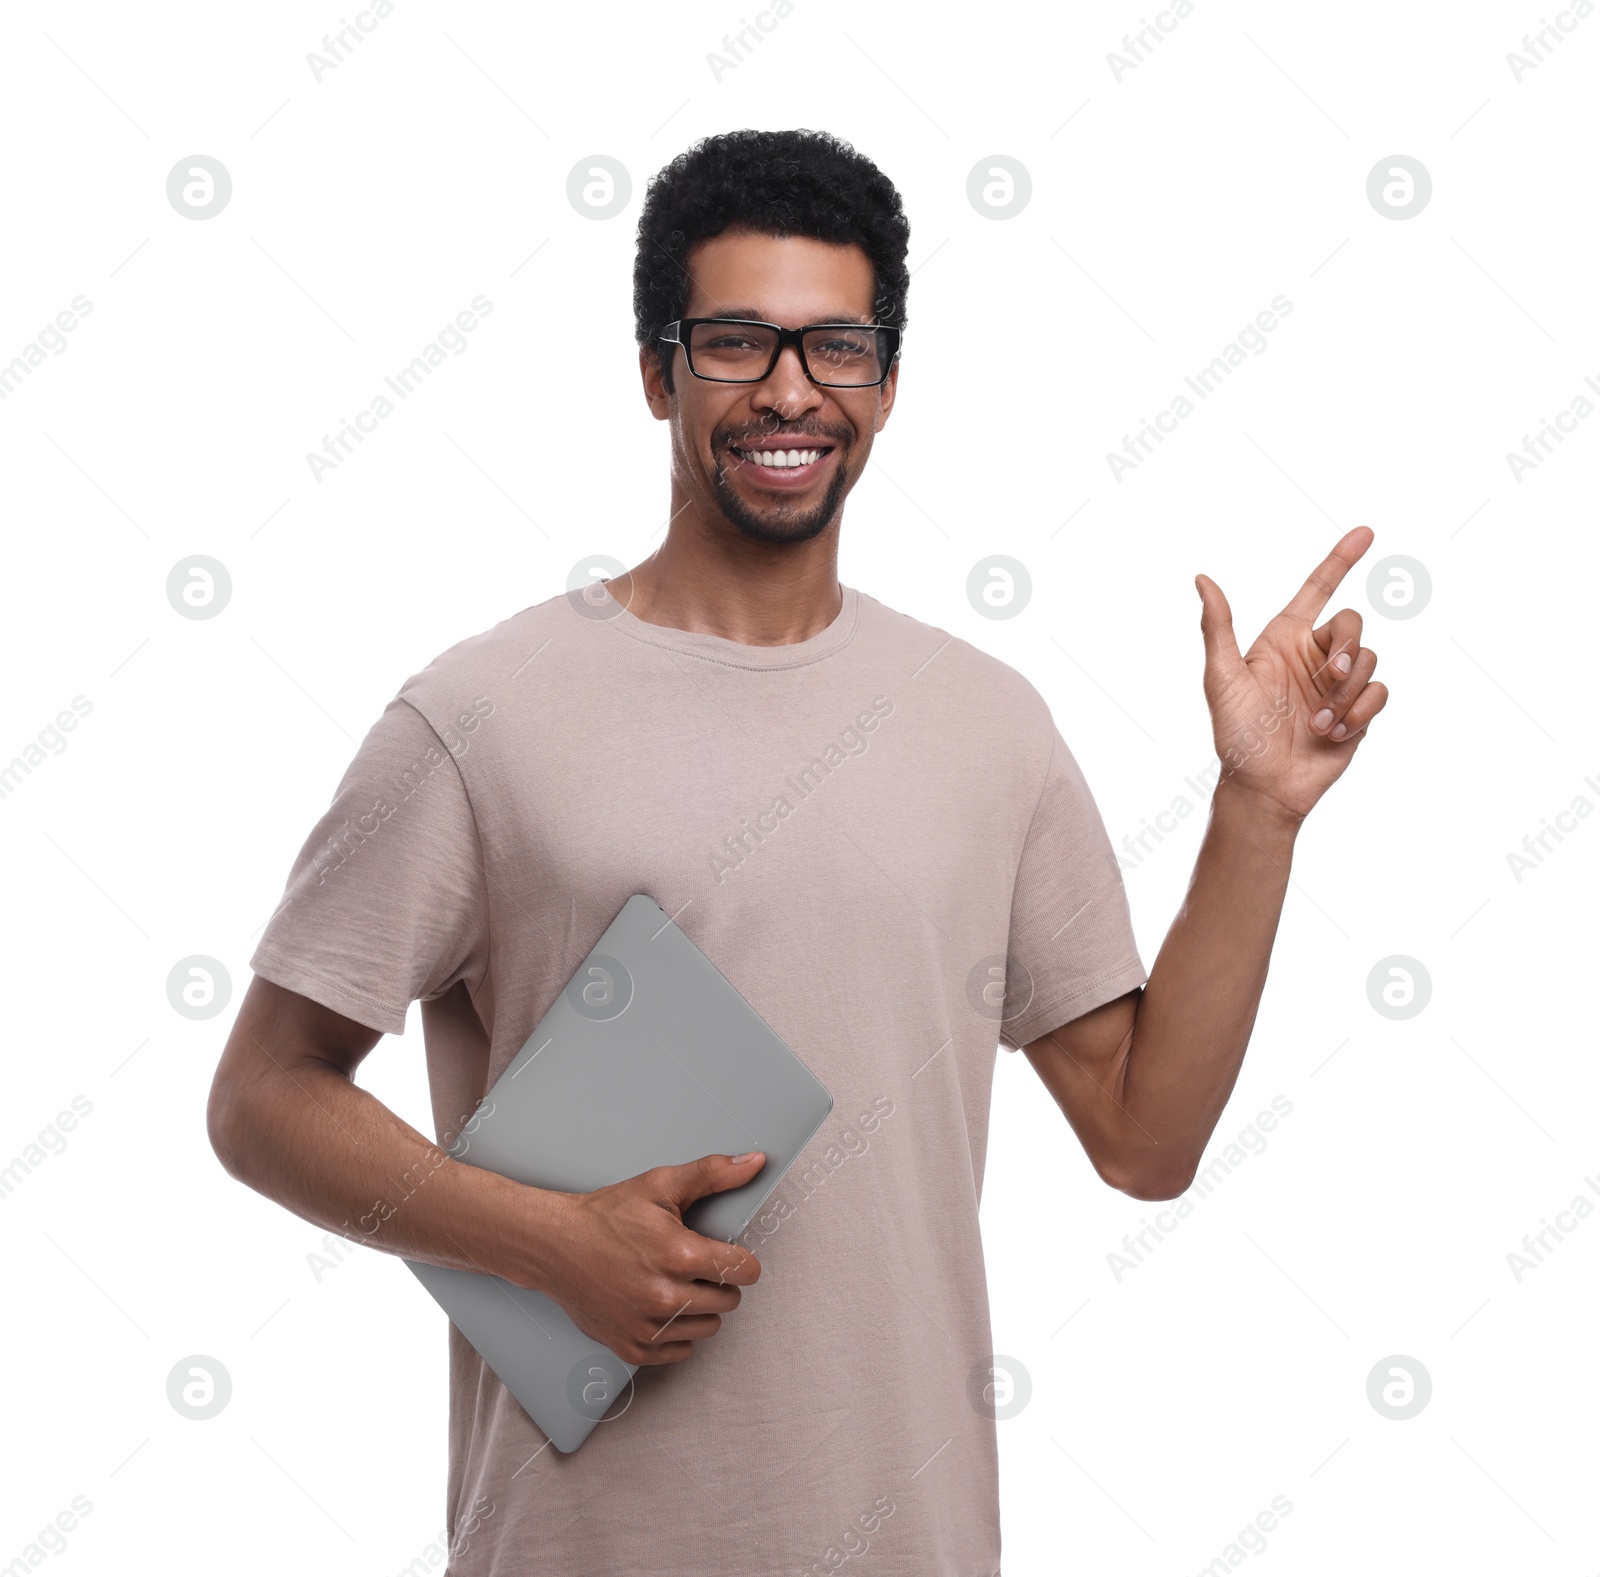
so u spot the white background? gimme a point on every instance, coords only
(1168, 208)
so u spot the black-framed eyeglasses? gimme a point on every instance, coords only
(742, 350)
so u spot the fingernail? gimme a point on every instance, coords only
(749, 1155)
(1322, 719)
(1338, 733)
(1341, 663)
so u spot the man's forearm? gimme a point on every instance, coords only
(314, 1141)
(1199, 1006)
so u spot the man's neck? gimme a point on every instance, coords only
(756, 593)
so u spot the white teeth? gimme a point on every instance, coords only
(782, 458)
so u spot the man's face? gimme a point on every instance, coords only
(719, 428)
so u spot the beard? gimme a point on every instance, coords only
(781, 522)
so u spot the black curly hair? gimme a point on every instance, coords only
(780, 183)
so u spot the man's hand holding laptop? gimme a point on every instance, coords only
(630, 1273)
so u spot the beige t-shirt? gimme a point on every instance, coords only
(858, 830)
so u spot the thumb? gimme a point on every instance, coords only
(680, 1186)
(1216, 624)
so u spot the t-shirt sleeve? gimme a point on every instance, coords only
(387, 900)
(1071, 946)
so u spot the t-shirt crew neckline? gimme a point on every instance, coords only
(736, 654)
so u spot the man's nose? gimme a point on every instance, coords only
(786, 390)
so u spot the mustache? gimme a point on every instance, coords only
(736, 439)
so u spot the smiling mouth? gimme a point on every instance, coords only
(782, 459)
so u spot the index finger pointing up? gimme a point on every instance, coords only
(1324, 580)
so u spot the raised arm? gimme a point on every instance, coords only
(1144, 1079)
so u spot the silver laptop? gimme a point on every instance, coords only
(649, 1057)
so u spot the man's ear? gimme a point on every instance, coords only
(886, 398)
(655, 391)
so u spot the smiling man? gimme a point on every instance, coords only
(878, 834)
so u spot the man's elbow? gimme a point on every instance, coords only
(1147, 1181)
(223, 1129)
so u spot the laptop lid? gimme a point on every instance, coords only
(648, 1057)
